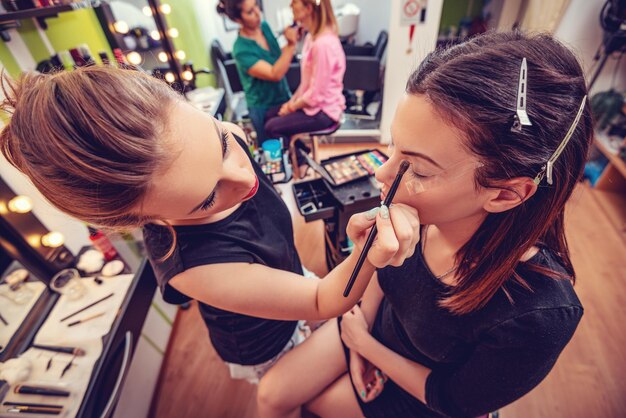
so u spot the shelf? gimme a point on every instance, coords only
(613, 158)
(44, 12)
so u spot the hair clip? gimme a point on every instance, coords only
(548, 168)
(317, 2)
(521, 117)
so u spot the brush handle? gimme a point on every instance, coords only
(360, 261)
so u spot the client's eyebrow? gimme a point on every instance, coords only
(420, 155)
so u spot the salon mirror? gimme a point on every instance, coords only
(20, 289)
(142, 41)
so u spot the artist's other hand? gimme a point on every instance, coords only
(398, 233)
(368, 380)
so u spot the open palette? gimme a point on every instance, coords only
(349, 167)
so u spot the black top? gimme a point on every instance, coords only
(479, 361)
(259, 231)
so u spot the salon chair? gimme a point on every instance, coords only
(364, 73)
(313, 138)
(228, 78)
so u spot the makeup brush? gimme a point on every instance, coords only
(404, 165)
(58, 349)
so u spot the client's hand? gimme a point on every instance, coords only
(398, 233)
(368, 381)
(285, 109)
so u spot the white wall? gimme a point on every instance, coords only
(580, 29)
(374, 16)
(212, 24)
(399, 63)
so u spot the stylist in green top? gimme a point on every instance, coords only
(261, 63)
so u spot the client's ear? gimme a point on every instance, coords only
(509, 194)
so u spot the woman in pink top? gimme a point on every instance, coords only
(318, 102)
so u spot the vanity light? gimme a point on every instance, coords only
(52, 239)
(155, 35)
(180, 54)
(187, 75)
(169, 77)
(165, 9)
(121, 27)
(147, 11)
(20, 204)
(162, 56)
(134, 58)
(173, 33)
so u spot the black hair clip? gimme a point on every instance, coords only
(521, 118)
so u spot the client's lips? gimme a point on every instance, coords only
(254, 189)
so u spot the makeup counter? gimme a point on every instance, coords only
(68, 354)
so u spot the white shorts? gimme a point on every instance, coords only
(254, 373)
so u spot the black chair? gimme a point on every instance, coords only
(365, 73)
(228, 78)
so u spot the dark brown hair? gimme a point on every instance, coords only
(230, 8)
(473, 86)
(89, 139)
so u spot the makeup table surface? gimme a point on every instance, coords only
(107, 375)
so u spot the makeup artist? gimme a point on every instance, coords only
(261, 63)
(214, 227)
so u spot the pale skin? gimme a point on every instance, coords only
(453, 211)
(207, 179)
(251, 28)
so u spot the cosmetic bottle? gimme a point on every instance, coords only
(102, 243)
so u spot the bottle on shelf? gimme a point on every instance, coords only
(102, 243)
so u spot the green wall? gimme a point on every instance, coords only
(454, 10)
(190, 40)
(70, 29)
(7, 60)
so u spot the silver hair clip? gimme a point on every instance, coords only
(521, 117)
(546, 170)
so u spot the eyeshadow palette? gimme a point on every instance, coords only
(272, 167)
(345, 169)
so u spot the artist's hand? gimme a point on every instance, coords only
(398, 233)
(291, 35)
(368, 380)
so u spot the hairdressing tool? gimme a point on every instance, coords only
(23, 409)
(67, 367)
(546, 170)
(4, 321)
(58, 349)
(404, 165)
(89, 318)
(41, 390)
(87, 307)
(521, 117)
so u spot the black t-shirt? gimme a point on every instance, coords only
(259, 231)
(479, 361)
